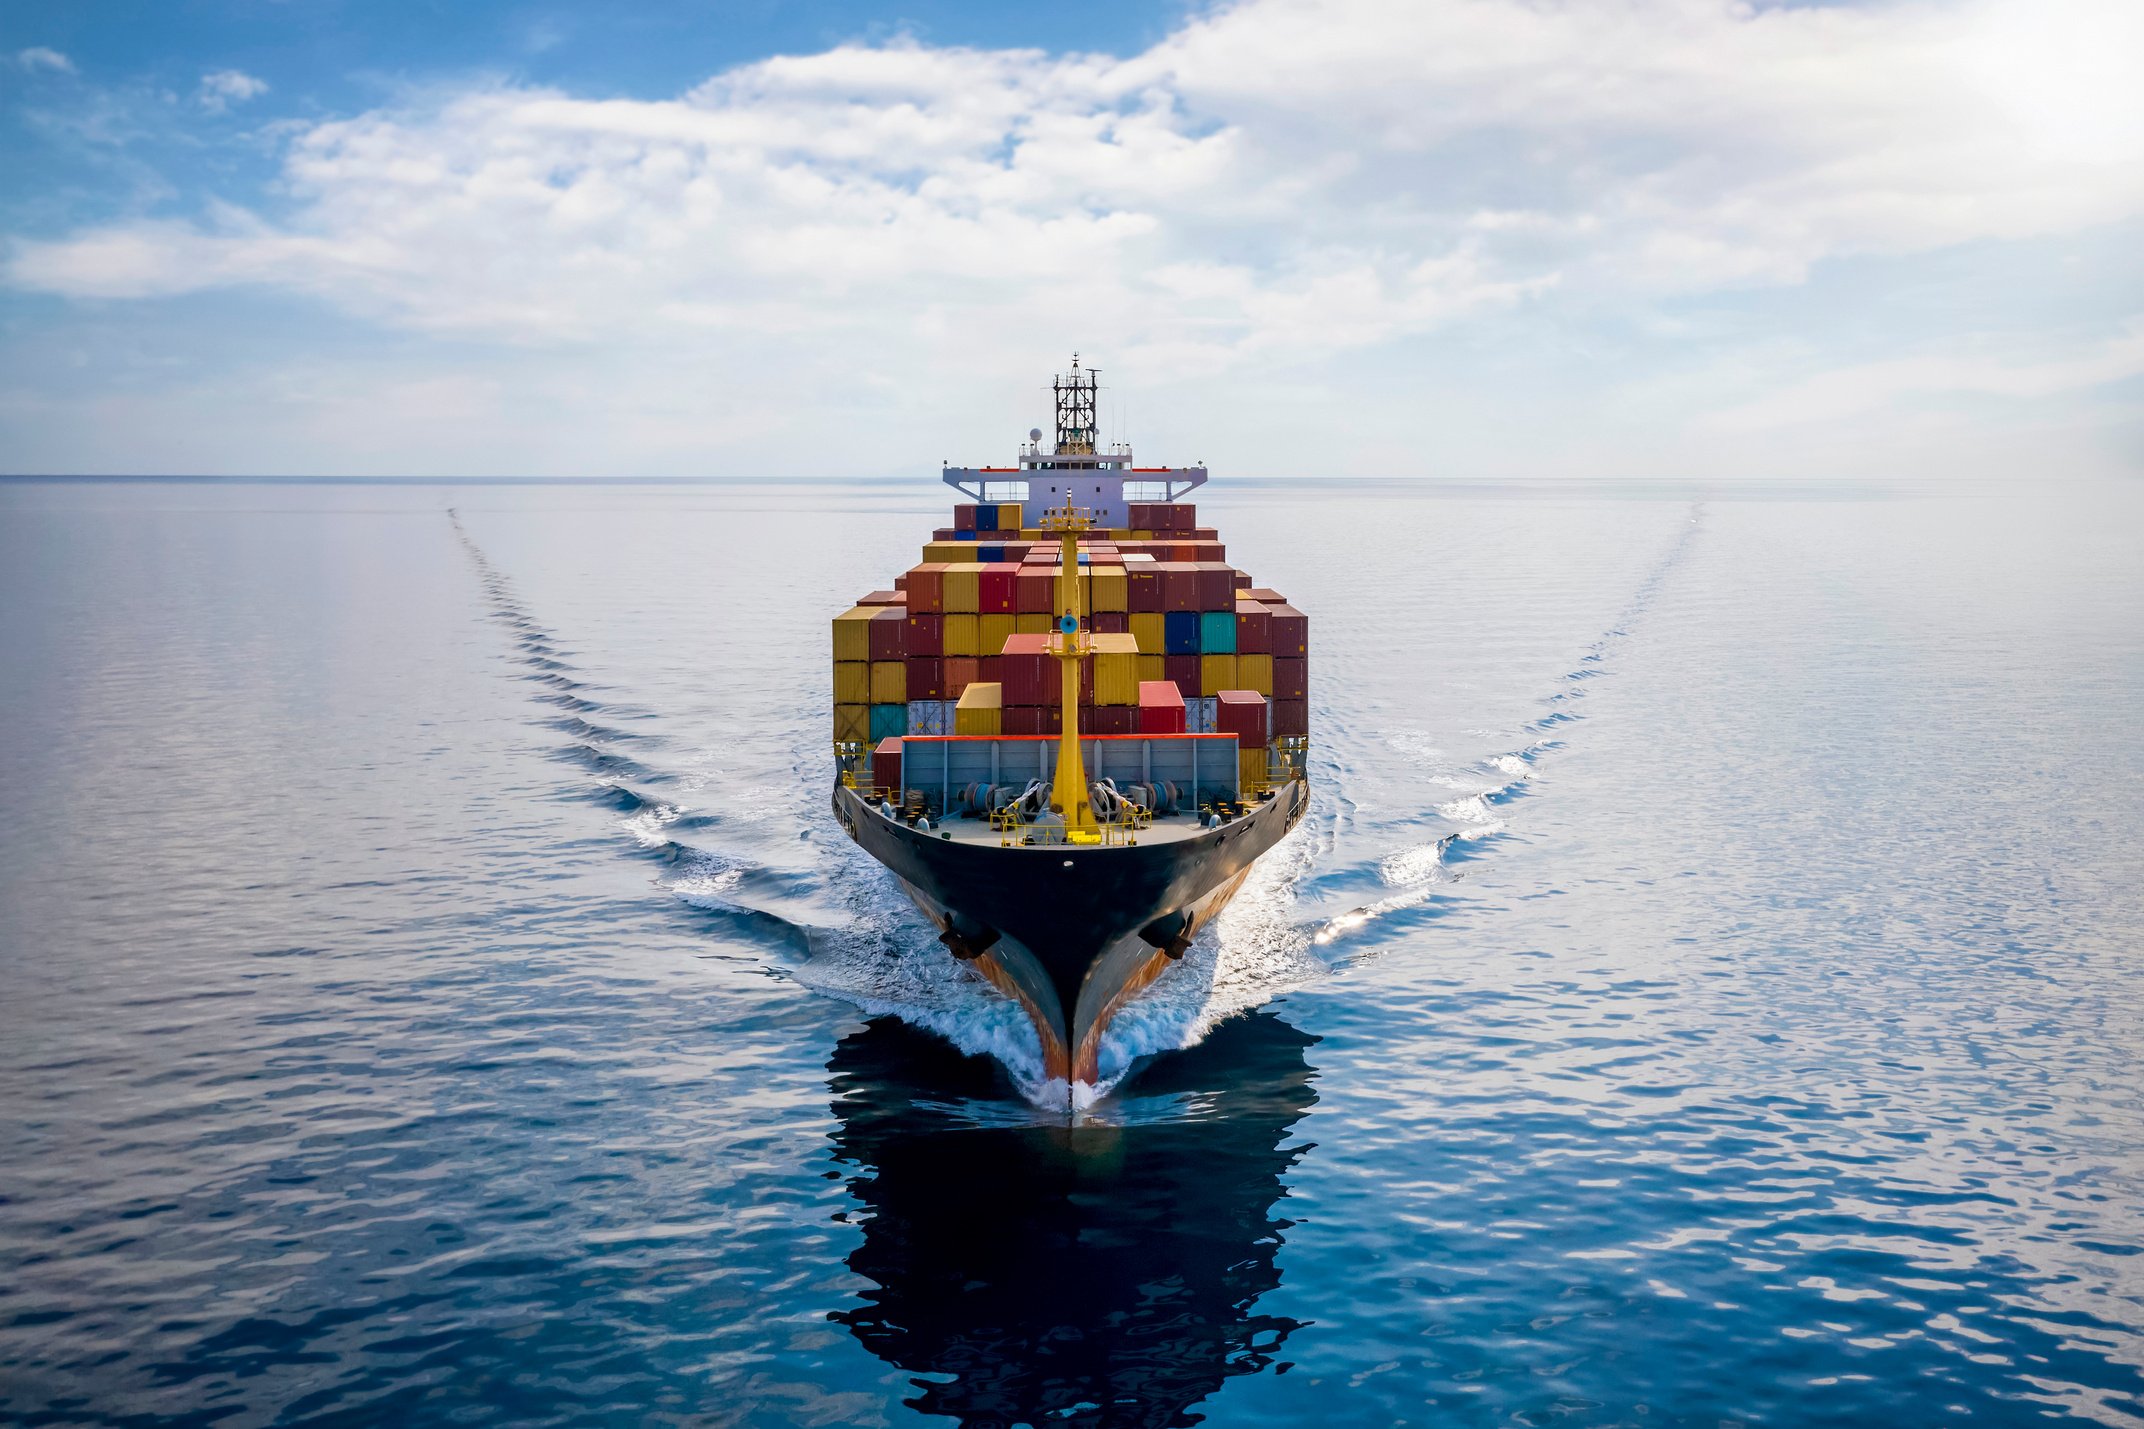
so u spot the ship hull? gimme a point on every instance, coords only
(1073, 934)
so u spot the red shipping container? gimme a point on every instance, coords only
(1029, 676)
(1161, 708)
(886, 764)
(1110, 719)
(1183, 516)
(1204, 533)
(1291, 719)
(1217, 586)
(964, 518)
(889, 633)
(1110, 622)
(961, 671)
(1143, 592)
(1139, 513)
(926, 587)
(1179, 585)
(900, 583)
(1032, 719)
(1265, 595)
(1254, 628)
(1291, 632)
(1241, 713)
(944, 533)
(1291, 678)
(926, 677)
(1243, 580)
(926, 636)
(991, 669)
(997, 588)
(1183, 672)
(1036, 593)
(884, 597)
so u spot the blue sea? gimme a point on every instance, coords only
(1708, 989)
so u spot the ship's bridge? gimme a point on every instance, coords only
(1102, 481)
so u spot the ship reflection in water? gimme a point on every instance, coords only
(1099, 1273)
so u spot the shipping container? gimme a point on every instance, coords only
(1179, 585)
(1198, 714)
(926, 681)
(930, 716)
(889, 682)
(1291, 632)
(1291, 678)
(992, 553)
(1033, 624)
(1291, 719)
(852, 723)
(852, 633)
(1113, 719)
(887, 720)
(962, 587)
(1254, 628)
(1030, 675)
(1217, 673)
(1152, 668)
(1217, 632)
(998, 588)
(1111, 622)
(1255, 672)
(1009, 516)
(1161, 708)
(1144, 593)
(1266, 595)
(1108, 589)
(1252, 767)
(1217, 586)
(985, 516)
(886, 765)
(1184, 670)
(889, 633)
(1035, 591)
(963, 635)
(992, 632)
(980, 710)
(926, 635)
(926, 588)
(1151, 630)
(852, 682)
(961, 671)
(1241, 713)
(964, 517)
(1180, 633)
(883, 598)
(1034, 719)
(1116, 669)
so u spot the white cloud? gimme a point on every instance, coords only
(222, 88)
(1277, 180)
(38, 57)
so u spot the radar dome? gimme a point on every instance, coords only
(1034, 434)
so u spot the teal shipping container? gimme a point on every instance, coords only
(1217, 632)
(888, 722)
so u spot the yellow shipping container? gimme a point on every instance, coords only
(963, 635)
(948, 551)
(995, 631)
(1142, 535)
(1256, 673)
(852, 633)
(1251, 770)
(1116, 669)
(852, 682)
(1217, 673)
(1009, 514)
(1033, 623)
(980, 710)
(889, 682)
(1149, 629)
(1153, 667)
(1107, 589)
(852, 724)
(963, 593)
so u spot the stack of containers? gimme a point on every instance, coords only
(1162, 606)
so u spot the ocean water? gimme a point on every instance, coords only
(1705, 992)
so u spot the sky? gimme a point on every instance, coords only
(1466, 239)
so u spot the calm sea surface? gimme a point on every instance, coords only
(1707, 989)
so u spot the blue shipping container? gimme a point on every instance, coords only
(1180, 632)
(986, 516)
(1217, 632)
(990, 553)
(888, 721)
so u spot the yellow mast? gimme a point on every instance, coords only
(1068, 795)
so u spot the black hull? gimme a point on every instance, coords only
(1073, 933)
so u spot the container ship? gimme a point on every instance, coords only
(1071, 727)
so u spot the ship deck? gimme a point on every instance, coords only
(980, 833)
